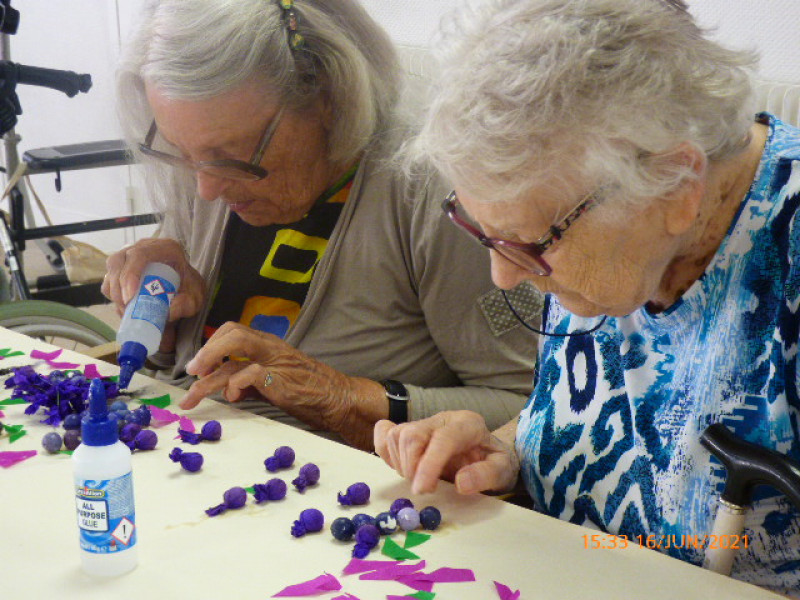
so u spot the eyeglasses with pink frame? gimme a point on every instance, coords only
(527, 256)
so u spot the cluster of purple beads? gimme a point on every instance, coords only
(367, 529)
(131, 425)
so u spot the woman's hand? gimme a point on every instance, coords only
(452, 445)
(124, 271)
(287, 378)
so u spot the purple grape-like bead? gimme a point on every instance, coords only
(408, 518)
(51, 442)
(235, 497)
(72, 439)
(211, 431)
(309, 475)
(386, 523)
(310, 520)
(274, 489)
(146, 440)
(367, 537)
(190, 461)
(145, 416)
(129, 432)
(400, 504)
(72, 421)
(343, 529)
(430, 518)
(363, 519)
(356, 495)
(282, 458)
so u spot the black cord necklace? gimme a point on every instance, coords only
(540, 332)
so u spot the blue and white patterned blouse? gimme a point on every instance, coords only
(610, 435)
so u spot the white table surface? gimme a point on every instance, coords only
(249, 553)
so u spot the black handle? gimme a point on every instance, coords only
(749, 465)
(68, 82)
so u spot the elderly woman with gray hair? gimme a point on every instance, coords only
(606, 151)
(265, 127)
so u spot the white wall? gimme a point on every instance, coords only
(84, 35)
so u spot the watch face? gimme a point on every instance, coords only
(395, 390)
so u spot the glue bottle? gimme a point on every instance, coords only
(104, 492)
(145, 316)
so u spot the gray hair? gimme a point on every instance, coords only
(198, 49)
(569, 92)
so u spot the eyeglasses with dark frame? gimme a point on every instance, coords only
(527, 256)
(227, 168)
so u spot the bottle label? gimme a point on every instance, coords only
(105, 514)
(152, 303)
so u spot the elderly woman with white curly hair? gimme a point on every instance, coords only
(265, 127)
(607, 152)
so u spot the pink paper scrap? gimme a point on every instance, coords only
(450, 575)
(318, 585)
(357, 565)
(61, 365)
(393, 572)
(346, 596)
(162, 415)
(504, 592)
(12, 457)
(46, 355)
(416, 581)
(91, 372)
(186, 424)
(2, 414)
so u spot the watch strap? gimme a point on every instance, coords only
(397, 395)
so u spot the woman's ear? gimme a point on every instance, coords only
(683, 204)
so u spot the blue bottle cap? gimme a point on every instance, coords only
(131, 358)
(98, 427)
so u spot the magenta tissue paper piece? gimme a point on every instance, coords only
(504, 592)
(11, 457)
(393, 572)
(163, 416)
(46, 355)
(61, 365)
(318, 585)
(90, 371)
(357, 565)
(346, 596)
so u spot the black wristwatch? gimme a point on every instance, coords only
(397, 394)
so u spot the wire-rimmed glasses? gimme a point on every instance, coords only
(227, 168)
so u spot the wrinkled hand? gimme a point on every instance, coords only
(302, 386)
(452, 445)
(124, 271)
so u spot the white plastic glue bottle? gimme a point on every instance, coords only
(104, 492)
(145, 316)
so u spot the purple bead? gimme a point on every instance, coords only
(363, 519)
(129, 432)
(282, 458)
(310, 520)
(368, 534)
(408, 519)
(72, 421)
(386, 523)
(51, 442)
(236, 497)
(399, 504)
(144, 415)
(274, 489)
(309, 475)
(343, 529)
(72, 439)
(190, 461)
(356, 495)
(146, 440)
(430, 518)
(211, 431)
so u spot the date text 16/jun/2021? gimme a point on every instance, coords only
(608, 541)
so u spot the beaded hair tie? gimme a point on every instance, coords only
(290, 21)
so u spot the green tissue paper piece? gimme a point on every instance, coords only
(15, 432)
(393, 550)
(422, 595)
(114, 378)
(250, 490)
(10, 401)
(65, 452)
(415, 539)
(160, 402)
(8, 353)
